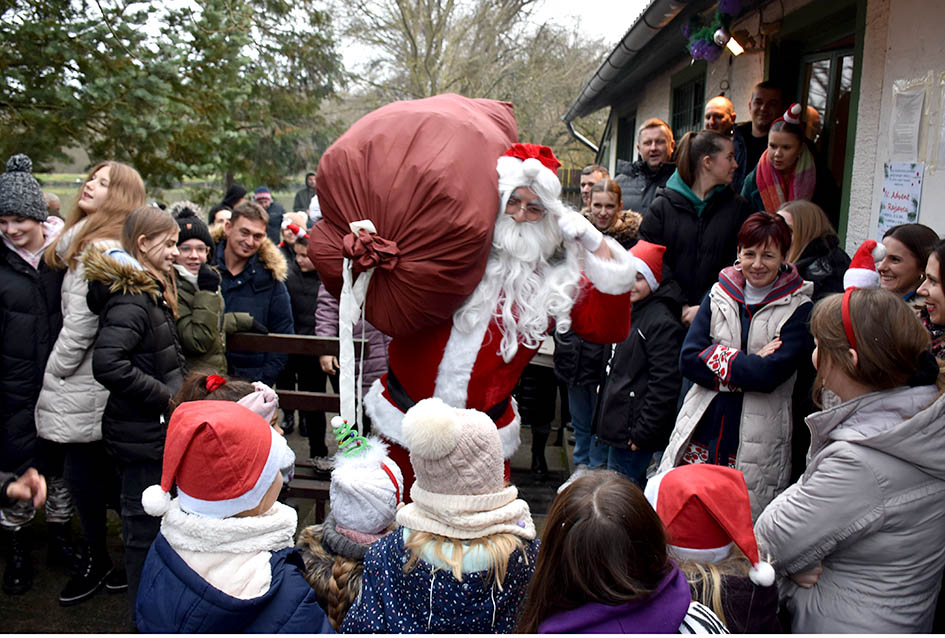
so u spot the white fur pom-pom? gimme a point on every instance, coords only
(879, 252)
(155, 501)
(531, 167)
(337, 422)
(430, 428)
(762, 574)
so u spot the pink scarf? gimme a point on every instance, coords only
(798, 185)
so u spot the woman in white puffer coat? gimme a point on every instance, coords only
(71, 403)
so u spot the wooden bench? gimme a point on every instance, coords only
(308, 483)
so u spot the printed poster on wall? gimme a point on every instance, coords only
(902, 193)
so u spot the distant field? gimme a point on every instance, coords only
(66, 187)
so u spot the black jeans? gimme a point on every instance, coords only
(138, 528)
(91, 477)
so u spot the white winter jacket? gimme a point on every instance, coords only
(71, 403)
(871, 508)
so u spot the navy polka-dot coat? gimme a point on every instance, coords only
(426, 600)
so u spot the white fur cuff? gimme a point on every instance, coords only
(614, 276)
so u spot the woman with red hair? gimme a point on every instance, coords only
(742, 354)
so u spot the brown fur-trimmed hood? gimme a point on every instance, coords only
(119, 272)
(270, 257)
(625, 227)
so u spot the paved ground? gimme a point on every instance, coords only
(39, 611)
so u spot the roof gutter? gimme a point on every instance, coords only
(580, 138)
(651, 21)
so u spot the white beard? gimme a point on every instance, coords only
(520, 288)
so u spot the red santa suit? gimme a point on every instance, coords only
(466, 369)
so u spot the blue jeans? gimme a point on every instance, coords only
(582, 399)
(631, 464)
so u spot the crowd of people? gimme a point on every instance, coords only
(758, 421)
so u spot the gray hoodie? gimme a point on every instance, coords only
(871, 508)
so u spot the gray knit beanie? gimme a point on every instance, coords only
(20, 193)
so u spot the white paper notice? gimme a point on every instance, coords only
(941, 130)
(902, 193)
(907, 114)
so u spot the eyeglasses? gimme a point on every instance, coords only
(533, 211)
(203, 249)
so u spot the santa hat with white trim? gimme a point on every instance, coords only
(862, 271)
(648, 259)
(534, 167)
(705, 509)
(222, 456)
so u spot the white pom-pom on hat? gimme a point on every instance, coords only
(531, 167)
(431, 428)
(793, 114)
(879, 252)
(762, 574)
(155, 500)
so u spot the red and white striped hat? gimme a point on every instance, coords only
(222, 456)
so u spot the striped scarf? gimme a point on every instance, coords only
(800, 184)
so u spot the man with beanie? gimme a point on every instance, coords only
(31, 317)
(305, 194)
(224, 561)
(637, 402)
(466, 548)
(534, 282)
(263, 197)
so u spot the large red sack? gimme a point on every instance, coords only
(424, 172)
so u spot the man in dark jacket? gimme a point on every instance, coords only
(765, 106)
(640, 180)
(254, 272)
(720, 117)
(303, 197)
(274, 209)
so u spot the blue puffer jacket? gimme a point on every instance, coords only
(428, 601)
(259, 290)
(173, 598)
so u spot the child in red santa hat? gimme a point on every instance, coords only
(638, 398)
(224, 561)
(707, 516)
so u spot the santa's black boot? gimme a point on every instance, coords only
(539, 440)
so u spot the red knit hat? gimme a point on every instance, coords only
(648, 259)
(862, 271)
(705, 508)
(222, 456)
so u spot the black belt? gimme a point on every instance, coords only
(403, 401)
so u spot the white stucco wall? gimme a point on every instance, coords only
(903, 40)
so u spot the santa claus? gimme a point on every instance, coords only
(548, 268)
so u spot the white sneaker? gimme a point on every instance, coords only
(580, 471)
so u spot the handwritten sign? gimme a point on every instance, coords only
(902, 193)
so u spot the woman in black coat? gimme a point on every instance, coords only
(815, 247)
(697, 216)
(139, 361)
(30, 320)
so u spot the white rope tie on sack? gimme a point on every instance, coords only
(350, 311)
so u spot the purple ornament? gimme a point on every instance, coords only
(687, 30)
(729, 7)
(712, 52)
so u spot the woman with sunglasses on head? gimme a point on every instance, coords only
(860, 535)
